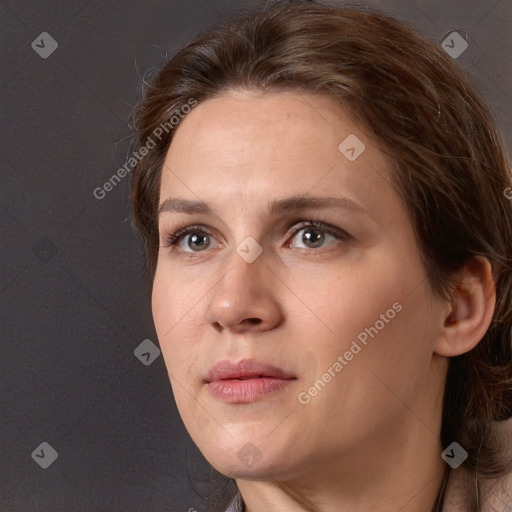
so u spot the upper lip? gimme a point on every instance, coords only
(246, 368)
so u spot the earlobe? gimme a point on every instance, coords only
(470, 311)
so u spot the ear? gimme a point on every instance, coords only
(470, 311)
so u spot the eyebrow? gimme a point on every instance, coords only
(275, 208)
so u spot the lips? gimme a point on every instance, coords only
(246, 369)
(246, 381)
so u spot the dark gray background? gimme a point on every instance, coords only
(73, 297)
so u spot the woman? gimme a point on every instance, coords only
(329, 238)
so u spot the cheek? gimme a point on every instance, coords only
(173, 300)
(344, 301)
(163, 307)
(378, 316)
(173, 317)
(391, 372)
(410, 345)
(174, 322)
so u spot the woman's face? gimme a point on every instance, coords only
(329, 328)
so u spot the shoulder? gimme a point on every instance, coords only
(494, 495)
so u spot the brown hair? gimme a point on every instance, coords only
(448, 162)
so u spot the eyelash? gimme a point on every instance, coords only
(172, 240)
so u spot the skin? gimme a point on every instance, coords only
(370, 439)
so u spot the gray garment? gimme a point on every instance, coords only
(237, 505)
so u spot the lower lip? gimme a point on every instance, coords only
(248, 390)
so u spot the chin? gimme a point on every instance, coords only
(247, 457)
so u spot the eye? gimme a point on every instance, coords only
(315, 234)
(189, 239)
(195, 239)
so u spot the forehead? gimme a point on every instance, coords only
(241, 125)
(244, 146)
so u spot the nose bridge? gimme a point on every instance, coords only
(246, 266)
(244, 293)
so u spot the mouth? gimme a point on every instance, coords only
(246, 380)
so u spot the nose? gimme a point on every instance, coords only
(246, 298)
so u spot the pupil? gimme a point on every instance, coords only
(194, 238)
(312, 239)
